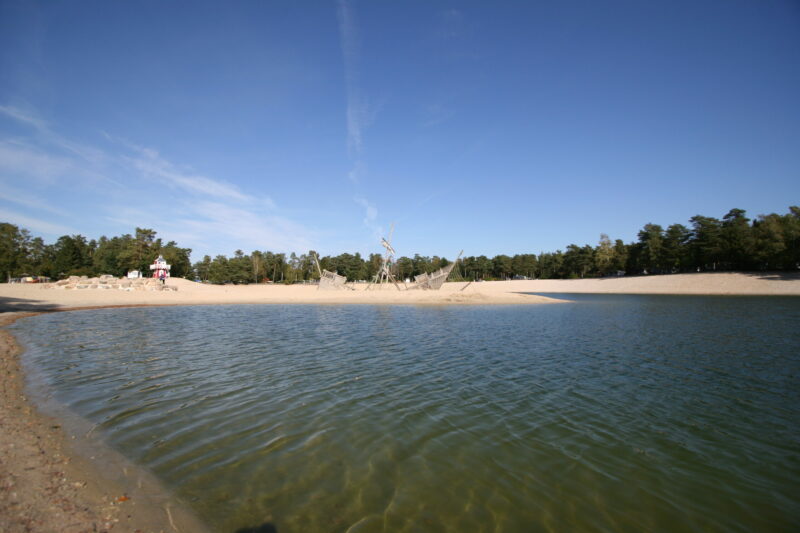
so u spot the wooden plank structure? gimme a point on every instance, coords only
(433, 281)
(385, 275)
(429, 281)
(329, 280)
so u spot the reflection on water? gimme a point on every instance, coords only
(624, 413)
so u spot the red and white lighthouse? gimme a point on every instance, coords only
(160, 268)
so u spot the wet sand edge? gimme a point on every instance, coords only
(47, 484)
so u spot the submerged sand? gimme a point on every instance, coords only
(46, 485)
(53, 478)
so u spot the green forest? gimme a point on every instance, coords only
(733, 243)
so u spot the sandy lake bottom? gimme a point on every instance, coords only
(609, 413)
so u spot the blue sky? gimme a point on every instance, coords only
(509, 127)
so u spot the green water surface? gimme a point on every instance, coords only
(612, 413)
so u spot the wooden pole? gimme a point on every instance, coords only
(319, 268)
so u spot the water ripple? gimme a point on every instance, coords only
(612, 414)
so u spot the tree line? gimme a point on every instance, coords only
(74, 255)
(292, 268)
(733, 243)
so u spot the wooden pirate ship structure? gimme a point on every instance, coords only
(385, 274)
(329, 280)
(433, 281)
(429, 281)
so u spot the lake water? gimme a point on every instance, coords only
(612, 413)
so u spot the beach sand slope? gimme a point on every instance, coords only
(46, 486)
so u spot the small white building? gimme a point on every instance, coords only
(134, 274)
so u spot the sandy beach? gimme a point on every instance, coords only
(32, 298)
(45, 485)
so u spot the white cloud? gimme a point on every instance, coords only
(370, 216)
(436, 114)
(35, 158)
(35, 224)
(348, 39)
(370, 211)
(215, 224)
(42, 127)
(201, 212)
(452, 23)
(18, 160)
(131, 216)
(23, 116)
(15, 195)
(152, 164)
(247, 229)
(358, 170)
(360, 113)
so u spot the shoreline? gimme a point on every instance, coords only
(33, 298)
(53, 477)
(47, 484)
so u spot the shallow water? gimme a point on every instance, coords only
(612, 413)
